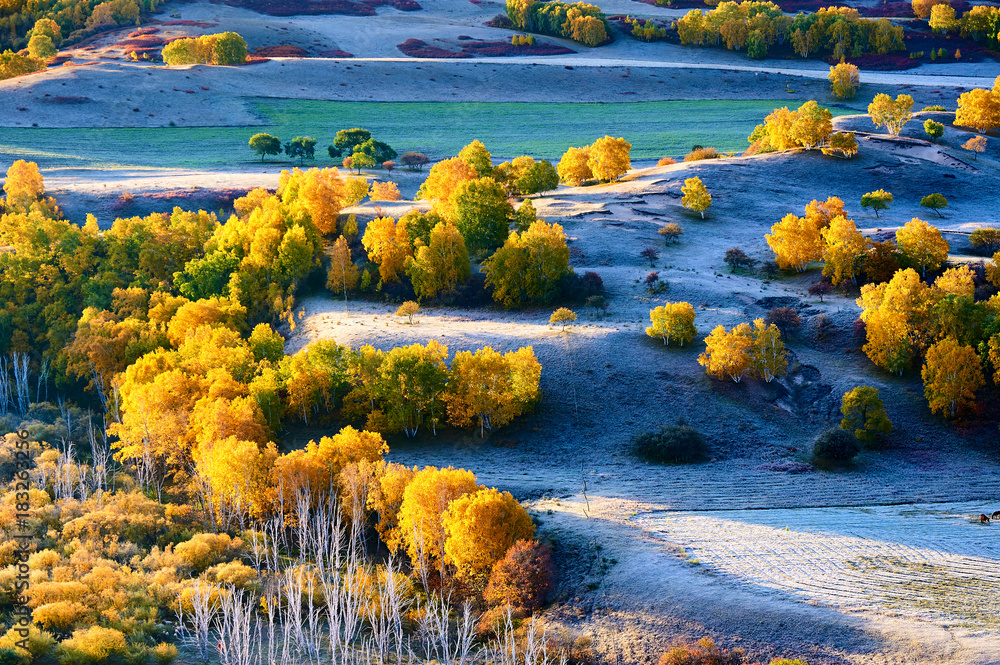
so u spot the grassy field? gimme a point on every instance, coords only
(439, 130)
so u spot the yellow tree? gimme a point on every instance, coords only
(318, 193)
(942, 18)
(696, 196)
(343, 274)
(529, 265)
(795, 242)
(844, 251)
(574, 168)
(386, 499)
(24, 184)
(384, 191)
(442, 182)
(893, 114)
(821, 213)
(478, 157)
(812, 125)
(844, 80)
(236, 475)
(922, 245)
(957, 281)
(979, 109)
(864, 414)
(894, 314)
(441, 266)
(922, 8)
(479, 529)
(316, 468)
(975, 145)
(768, 358)
(421, 513)
(562, 316)
(727, 354)
(388, 245)
(842, 144)
(952, 374)
(490, 389)
(608, 158)
(672, 321)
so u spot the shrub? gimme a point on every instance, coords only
(770, 269)
(699, 153)
(821, 288)
(706, 653)
(93, 645)
(522, 578)
(986, 239)
(835, 445)
(208, 549)
(673, 444)
(786, 318)
(164, 653)
(736, 258)
(666, 161)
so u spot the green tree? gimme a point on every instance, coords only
(229, 49)
(529, 266)
(301, 148)
(864, 414)
(41, 47)
(478, 157)
(935, 202)
(346, 139)
(877, 200)
(361, 160)
(482, 213)
(265, 144)
(933, 129)
(379, 152)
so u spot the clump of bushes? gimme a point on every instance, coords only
(835, 446)
(672, 444)
(699, 153)
(706, 653)
(226, 48)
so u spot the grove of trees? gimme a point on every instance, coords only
(578, 21)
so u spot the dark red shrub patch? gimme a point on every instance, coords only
(194, 24)
(304, 7)
(335, 53)
(281, 51)
(506, 49)
(416, 48)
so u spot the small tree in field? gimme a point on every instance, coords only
(415, 161)
(265, 144)
(877, 200)
(820, 289)
(727, 353)
(671, 232)
(408, 309)
(884, 111)
(696, 196)
(934, 130)
(975, 145)
(650, 254)
(986, 239)
(562, 316)
(935, 202)
(389, 165)
(844, 80)
(864, 414)
(952, 374)
(673, 321)
(301, 148)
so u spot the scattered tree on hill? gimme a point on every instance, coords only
(795, 241)
(980, 109)
(922, 245)
(408, 309)
(523, 176)
(528, 268)
(478, 157)
(346, 140)
(343, 274)
(986, 239)
(768, 358)
(809, 127)
(975, 145)
(265, 144)
(844, 80)
(842, 144)
(574, 168)
(562, 317)
(786, 318)
(388, 245)
(650, 254)
(488, 389)
(935, 202)
(864, 414)
(360, 160)
(671, 232)
(41, 47)
(736, 258)
(384, 191)
(672, 321)
(952, 374)
(934, 130)
(727, 353)
(877, 200)
(893, 313)
(414, 160)
(696, 196)
(892, 114)
(820, 289)
(608, 158)
(23, 185)
(442, 183)
(301, 148)
(227, 48)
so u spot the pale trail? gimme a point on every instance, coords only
(884, 78)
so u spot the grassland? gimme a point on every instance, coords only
(438, 129)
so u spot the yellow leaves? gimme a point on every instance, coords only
(727, 354)
(316, 467)
(812, 126)
(807, 127)
(343, 274)
(795, 241)
(384, 191)
(922, 245)
(93, 645)
(696, 196)
(491, 388)
(980, 109)
(211, 312)
(480, 527)
(386, 499)
(562, 316)
(441, 266)
(891, 114)
(957, 281)
(574, 167)
(587, 30)
(529, 265)
(318, 193)
(207, 549)
(237, 474)
(608, 157)
(442, 182)
(672, 321)
(478, 157)
(893, 313)
(24, 184)
(767, 358)
(952, 373)
(421, 514)
(844, 80)
(844, 251)
(842, 144)
(388, 245)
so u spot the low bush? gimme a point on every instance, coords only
(698, 153)
(835, 446)
(706, 653)
(673, 444)
(786, 318)
(666, 161)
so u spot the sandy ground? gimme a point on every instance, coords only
(925, 591)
